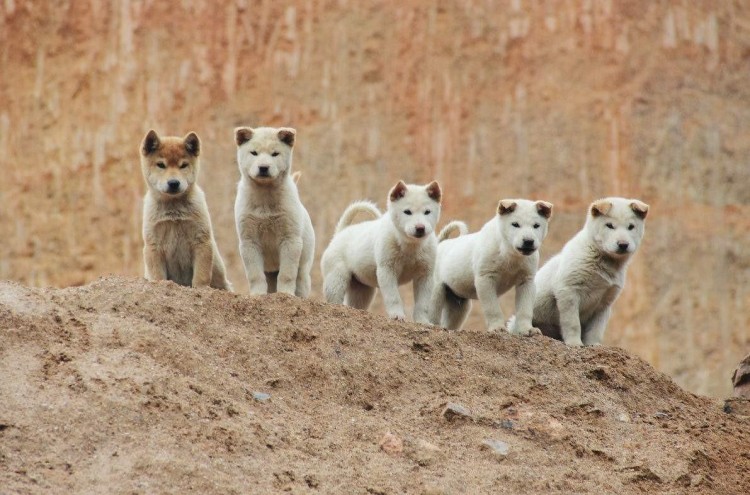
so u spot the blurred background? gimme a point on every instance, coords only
(560, 100)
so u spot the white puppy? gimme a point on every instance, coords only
(577, 287)
(486, 264)
(391, 250)
(277, 241)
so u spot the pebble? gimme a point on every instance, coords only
(261, 396)
(422, 452)
(453, 411)
(497, 447)
(391, 444)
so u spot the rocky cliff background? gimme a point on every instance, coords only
(562, 100)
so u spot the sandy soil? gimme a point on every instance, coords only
(125, 386)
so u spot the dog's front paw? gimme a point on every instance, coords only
(528, 332)
(497, 329)
(574, 343)
(397, 316)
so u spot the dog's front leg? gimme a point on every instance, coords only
(203, 263)
(290, 252)
(422, 298)
(487, 295)
(252, 257)
(155, 264)
(525, 292)
(570, 320)
(388, 284)
(593, 334)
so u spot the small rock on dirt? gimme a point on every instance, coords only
(261, 396)
(391, 444)
(421, 451)
(741, 379)
(453, 411)
(497, 447)
(737, 406)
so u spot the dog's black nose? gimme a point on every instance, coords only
(622, 246)
(419, 230)
(528, 243)
(174, 185)
(263, 170)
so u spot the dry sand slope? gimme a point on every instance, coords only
(124, 386)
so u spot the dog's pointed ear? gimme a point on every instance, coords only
(193, 144)
(506, 206)
(242, 135)
(150, 143)
(398, 191)
(600, 207)
(287, 135)
(639, 208)
(544, 209)
(434, 192)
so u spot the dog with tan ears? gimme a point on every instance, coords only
(577, 287)
(386, 252)
(179, 243)
(488, 263)
(277, 240)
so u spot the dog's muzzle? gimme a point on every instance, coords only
(527, 247)
(173, 186)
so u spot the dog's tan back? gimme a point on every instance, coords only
(177, 234)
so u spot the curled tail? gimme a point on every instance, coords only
(296, 176)
(353, 209)
(458, 225)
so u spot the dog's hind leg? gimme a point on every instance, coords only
(359, 295)
(455, 310)
(335, 284)
(437, 300)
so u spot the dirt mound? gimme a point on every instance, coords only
(124, 386)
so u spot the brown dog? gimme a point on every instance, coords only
(178, 240)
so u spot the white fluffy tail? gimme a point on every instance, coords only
(352, 210)
(296, 176)
(458, 225)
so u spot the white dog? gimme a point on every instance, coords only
(486, 264)
(277, 241)
(389, 251)
(577, 287)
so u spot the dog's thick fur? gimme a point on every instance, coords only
(486, 264)
(391, 250)
(277, 240)
(577, 287)
(178, 240)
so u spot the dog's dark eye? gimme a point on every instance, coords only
(254, 153)
(275, 153)
(610, 226)
(184, 165)
(427, 212)
(536, 225)
(161, 164)
(516, 225)
(408, 212)
(631, 226)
